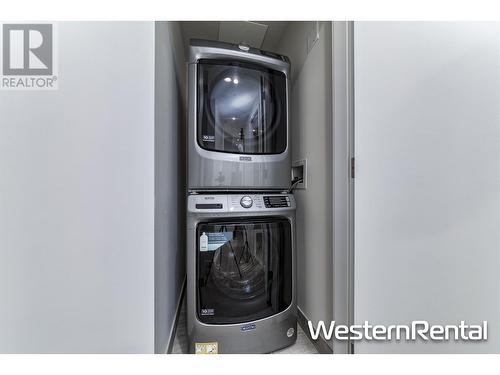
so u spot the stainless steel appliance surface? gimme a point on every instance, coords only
(238, 128)
(241, 272)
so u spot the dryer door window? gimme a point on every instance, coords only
(241, 108)
(244, 270)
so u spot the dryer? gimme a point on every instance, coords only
(238, 128)
(241, 265)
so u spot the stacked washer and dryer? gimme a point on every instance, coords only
(240, 215)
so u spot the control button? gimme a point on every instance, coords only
(244, 47)
(246, 202)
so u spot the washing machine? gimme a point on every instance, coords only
(241, 273)
(238, 128)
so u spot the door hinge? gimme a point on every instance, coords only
(352, 168)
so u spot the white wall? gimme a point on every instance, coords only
(427, 187)
(311, 121)
(77, 198)
(170, 176)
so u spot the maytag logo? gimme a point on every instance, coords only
(28, 57)
(248, 327)
(245, 158)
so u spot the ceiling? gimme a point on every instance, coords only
(264, 35)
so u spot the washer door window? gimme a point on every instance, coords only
(241, 108)
(244, 270)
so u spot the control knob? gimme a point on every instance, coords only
(246, 202)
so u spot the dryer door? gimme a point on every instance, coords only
(241, 108)
(244, 269)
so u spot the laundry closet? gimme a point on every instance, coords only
(259, 255)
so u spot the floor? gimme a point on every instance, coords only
(302, 346)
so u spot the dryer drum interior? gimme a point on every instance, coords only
(244, 270)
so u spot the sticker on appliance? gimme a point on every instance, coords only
(206, 348)
(208, 138)
(207, 312)
(212, 241)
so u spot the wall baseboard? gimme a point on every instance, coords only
(173, 332)
(320, 344)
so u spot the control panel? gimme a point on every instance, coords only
(248, 202)
(276, 201)
(221, 203)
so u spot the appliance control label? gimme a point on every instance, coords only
(213, 241)
(206, 348)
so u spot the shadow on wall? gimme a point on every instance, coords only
(170, 167)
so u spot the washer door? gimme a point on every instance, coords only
(244, 269)
(241, 108)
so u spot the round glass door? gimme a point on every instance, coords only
(244, 270)
(241, 108)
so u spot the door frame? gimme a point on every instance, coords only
(343, 165)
